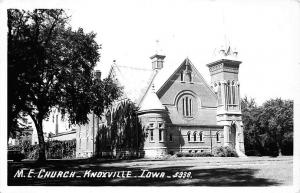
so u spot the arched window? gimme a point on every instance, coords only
(189, 136)
(201, 136)
(189, 75)
(187, 106)
(181, 77)
(195, 136)
(218, 136)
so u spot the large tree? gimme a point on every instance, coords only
(268, 129)
(51, 66)
(277, 118)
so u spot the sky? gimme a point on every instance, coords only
(265, 33)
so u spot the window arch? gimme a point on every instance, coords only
(189, 136)
(201, 136)
(195, 136)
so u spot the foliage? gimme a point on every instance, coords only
(54, 149)
(199, 154)
(268, 129)
(51, 66)
(224, 152)
(123, 131)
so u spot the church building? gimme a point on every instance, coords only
(181, 112)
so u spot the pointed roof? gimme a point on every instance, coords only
(166, 74)
(135, 81)
(142, 85)
(151, 102)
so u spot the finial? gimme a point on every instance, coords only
(152, 88)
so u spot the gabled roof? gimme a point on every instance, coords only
(165, 75)
(135, 81)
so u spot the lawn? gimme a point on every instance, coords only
(194, 171)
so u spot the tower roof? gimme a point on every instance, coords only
(151, 102)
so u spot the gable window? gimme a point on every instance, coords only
(201, 136)
(181, 77)
(187, 106)
(195, 136)
(189, 75)
(189, 136)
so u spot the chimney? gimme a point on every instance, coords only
(157, 61)
(98, 74)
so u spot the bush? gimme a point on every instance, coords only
(224, 152)
(54, 149)
(200, 154)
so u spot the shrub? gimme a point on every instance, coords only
(224, 152)
(200, 154)
(54, 149)
(203, 154)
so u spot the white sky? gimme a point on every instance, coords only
(265, 33)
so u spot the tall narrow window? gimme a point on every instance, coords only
(181, 76)
(190, 77)
(218, 136)
(151, 135)
(187, 106)
(170, 137)
(190, 107)
(189, 136)
(233, 94)
(201, 136)
(183, 107)
(161, 136)
(195, 136)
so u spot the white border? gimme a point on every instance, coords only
(28, 4)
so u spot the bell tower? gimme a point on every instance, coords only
(224, 81)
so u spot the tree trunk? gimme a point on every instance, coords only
(279, 149)
(39, 128)
(42, 147)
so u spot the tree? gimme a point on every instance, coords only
(51, 66)
(252, 131)
(277, 117)
(123, 128)
(268, 129)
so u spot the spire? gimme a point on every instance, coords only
(151, 101)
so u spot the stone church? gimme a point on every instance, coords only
(181, 111)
